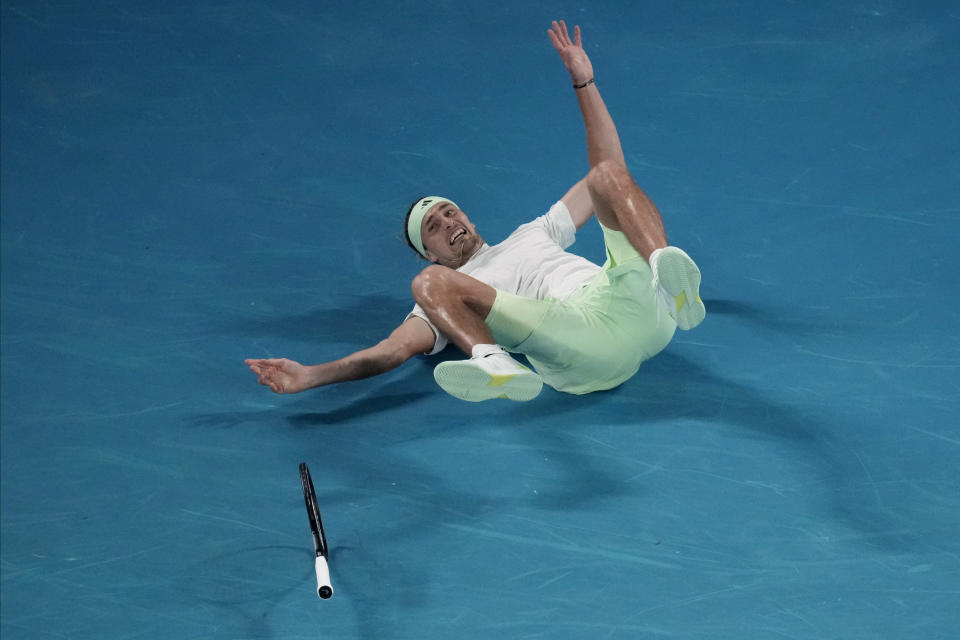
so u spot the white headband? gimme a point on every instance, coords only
(416, 220)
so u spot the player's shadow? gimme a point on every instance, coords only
(362, 319)
(379, 450)
(352, 412)
(667, 388)
(672, 387)
(788, 320)
(358, 409)
(305, 414)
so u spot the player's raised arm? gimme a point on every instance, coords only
(579, 203)
(282, 375)
(603, 142)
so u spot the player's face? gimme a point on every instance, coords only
(448, 236)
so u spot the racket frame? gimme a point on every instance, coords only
(313, 511)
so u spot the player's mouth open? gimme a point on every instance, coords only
(457, 235)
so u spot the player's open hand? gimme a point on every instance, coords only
(280, 374)
(574, 58)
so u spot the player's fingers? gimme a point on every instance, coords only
(271, 364)
(558, 36)
(553, 39)
(577, 40)
(565, 35)
(262, 367)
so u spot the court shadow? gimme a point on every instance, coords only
(378, 464)
(358, 409)
(354, 411)
(672, 386)
(790, 319)
(362, 319)
(667, 389)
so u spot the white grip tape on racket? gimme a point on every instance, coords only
(324, 588)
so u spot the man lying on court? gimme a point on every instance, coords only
(583, 327)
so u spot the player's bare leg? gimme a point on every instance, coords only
(620, 204)
(457, 305)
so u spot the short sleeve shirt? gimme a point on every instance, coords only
(531, 262)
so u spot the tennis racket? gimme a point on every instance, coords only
(324, 589)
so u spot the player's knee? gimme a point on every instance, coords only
(608, 175)
(429, 282)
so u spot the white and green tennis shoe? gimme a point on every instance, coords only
(490, 373)
(677, 279)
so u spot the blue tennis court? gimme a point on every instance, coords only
(185, 185)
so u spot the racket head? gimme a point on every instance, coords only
(313, 511)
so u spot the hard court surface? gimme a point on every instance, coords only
(186, 184)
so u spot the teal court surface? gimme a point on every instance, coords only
(188, 184)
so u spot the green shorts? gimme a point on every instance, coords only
(595, 339)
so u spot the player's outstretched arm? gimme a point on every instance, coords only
(282, 375)
(603, 141)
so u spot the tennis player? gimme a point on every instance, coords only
(583, 327)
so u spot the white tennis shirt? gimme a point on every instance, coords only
(531, 263)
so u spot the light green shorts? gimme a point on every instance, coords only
(595, 339)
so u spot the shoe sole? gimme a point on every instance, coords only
(469, 382)
(679, 276)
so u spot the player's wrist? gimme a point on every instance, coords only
(582, 85)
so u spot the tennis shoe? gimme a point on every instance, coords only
(677, 280)
(485, 377)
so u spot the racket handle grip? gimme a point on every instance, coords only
(324, 589)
